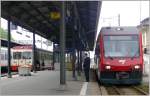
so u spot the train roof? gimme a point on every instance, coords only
(28, 47)
(23, 47)
(119, 30)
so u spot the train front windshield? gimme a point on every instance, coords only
(121, 46)
(17, 55)
(22, 55)
(26, 55)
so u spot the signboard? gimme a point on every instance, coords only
(55, 15)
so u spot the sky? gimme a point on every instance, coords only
(22, 37)
(131, 13)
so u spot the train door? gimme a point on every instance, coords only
(16, 59)
(3, 58)
(27, 58)
(97, 59)
(38, 59)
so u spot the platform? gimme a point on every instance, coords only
(47, 83)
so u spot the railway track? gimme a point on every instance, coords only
(125, 90)
(122, 89)
(118, 91)
(140, 90)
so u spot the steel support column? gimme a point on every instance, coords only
(73, 56)
(53, 64)
(9, 50)
(33, 55)
(73, 46)
(62, 45)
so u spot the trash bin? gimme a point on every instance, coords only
(24, 71)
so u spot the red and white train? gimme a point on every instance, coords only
(22, 56)
(119, 55)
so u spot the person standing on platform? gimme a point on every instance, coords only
(86, 66)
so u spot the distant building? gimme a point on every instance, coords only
(144, 28)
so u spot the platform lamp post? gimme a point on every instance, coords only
(9, 50)
(53, 64)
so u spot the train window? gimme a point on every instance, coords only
(46, 56)
(6, 56)
(26, 55)
(17, 55)
(2, 56)
(49, 56)
(127, 46)
(42, 56)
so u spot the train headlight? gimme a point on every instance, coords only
(107, 67)
(136, 66)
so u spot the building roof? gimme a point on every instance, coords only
(145, 21)
(43, 17)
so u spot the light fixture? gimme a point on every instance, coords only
(55, 15)
(107, 67)
(119, 29)
(136, 66)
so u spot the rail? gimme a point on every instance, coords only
(140, 90)
(118, 91)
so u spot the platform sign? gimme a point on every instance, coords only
(55, 15)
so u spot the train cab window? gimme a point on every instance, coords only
(121, 46)
(17, 55)
(26, 55)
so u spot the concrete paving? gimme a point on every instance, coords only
(145, 79)
(47, 83)
(40, 83)
(93, 89)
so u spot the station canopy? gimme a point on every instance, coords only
(43, 17)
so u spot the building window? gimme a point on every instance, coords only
(13, 26)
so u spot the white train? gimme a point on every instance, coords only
(3, 59)
(21, 56)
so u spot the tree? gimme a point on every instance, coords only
(3, 34)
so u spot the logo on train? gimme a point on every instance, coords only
(122, 61)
